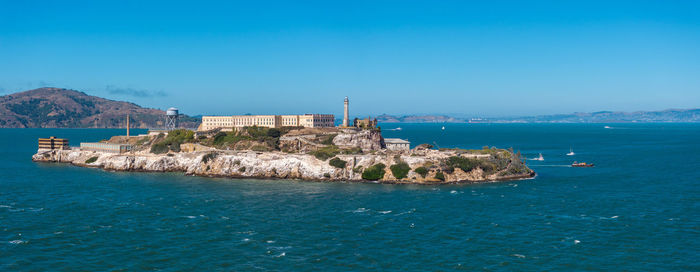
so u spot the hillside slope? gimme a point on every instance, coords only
(63, 108)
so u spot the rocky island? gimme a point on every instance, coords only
(320, 154)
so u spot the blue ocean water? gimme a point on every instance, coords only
(636, 210)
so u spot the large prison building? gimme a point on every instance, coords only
(270, 121)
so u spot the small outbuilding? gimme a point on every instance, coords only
(53, 143)
(396, 144)
(105, 147)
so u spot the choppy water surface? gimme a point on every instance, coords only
(637, 210)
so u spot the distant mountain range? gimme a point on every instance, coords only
(419, 119)
(63, 108)
(671, 115)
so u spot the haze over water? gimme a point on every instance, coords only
(636, 210)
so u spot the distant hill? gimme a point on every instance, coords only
(63, 108)
(671, 115)
(384, 118)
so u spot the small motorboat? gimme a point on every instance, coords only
(540, 158)
(582, 164)
(571, 152)
(443, 128)
(608, 127)
(398, 128)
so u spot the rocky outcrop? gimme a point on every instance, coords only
(367, 140)
(237, 164)
(307, 140)
(299, 143)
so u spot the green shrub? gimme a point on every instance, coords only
(256, 131)
(422, 171)
(173, 141)
(357, 169)
(468, 164)
(242, 169)
(210, 156)
(228, 139)
(374, 172)
(180, 135)
(352, 151)
(274, 133)
(440, 176)
(143, 140)
(159, 148)
(219, 137)
(267, 137)
(326, 152)
(91, 160)
(175, 147)
(326, 175)
(400, 170)
(328, 140)
(237, 162)
(338, 163)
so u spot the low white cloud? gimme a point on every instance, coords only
(134, 92)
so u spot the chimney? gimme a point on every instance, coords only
(127, 126)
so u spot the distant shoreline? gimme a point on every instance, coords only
(414, 123)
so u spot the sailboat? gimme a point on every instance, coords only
(571, 152)
(540, 158)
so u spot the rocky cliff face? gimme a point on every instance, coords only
(308, 140)
(269, 165)
(367, 140)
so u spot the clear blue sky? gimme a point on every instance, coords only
(480, 58)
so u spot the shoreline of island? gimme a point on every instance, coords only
(327, 155)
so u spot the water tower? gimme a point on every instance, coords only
(171, 118)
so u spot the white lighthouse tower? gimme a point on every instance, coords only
(345, 113)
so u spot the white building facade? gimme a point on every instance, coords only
(270, 121)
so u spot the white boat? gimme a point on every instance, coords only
(540, 158)
(443, 128)
(398, 128)
(571, 152)
(606, 127)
